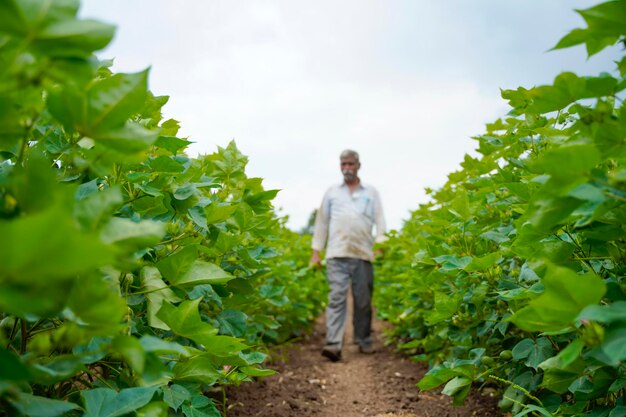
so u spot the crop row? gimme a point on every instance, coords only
(133, 278)
(514, 274)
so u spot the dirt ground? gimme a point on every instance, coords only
(381, 384)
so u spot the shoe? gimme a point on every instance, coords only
(367, 349)
(331, 352)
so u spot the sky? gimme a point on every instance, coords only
(406, 83)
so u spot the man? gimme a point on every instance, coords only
(344, 225)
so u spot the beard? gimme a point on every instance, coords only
(349, 176)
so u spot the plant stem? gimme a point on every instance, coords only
(24, 337)
(615, 196)
(517, 387)
(224, 409)
(13, 332)
(181, 237)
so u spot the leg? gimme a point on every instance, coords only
(362, 288)
(336, 312)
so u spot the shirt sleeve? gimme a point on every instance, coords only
(322, 220)
(379, 218)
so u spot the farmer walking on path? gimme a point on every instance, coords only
(344, 225)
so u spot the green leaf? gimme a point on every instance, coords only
(95, 306)
(185, 321)
(459, 206)
(197, 369)
(112, 100)
(197, 215)
(154, 409)
(260, 202)
(568, 161)
(157, 292)
(130, 234)
(614, 344)
(34, 406)
(253, 358)
(38, 282)
(175, 395)
(445, 307)
(170, 127)
(566, 295)
(557, 377)
(605, 313)
(156, 371)
(522, 349)
(184, 269)
(252, 371)
(483, 263)
(546, 212)
(201, 406)
(131, 351)
(131, 138)
(618, 385)
(68, 104)
(11, 368)
(219, 213)
(104, 402)
(166, 164)
(22, 17)
(458, 388)
(88, 188)
(94, 209)
(35, 186)
(435, 377)
(162, 347)
(74, 38)
(531, 408)
(573, 38)
(571, 353)
(534, 351)
(605, 26)
(11, 129)
(232, 322)
(184, 192)
(618, 411)
(495, 236)
(178, 263)
(57, 369)
(102, 111)
(567, 89)
(201, 272)
(172, 143)
(451, 262)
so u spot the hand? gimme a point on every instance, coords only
(378, 254)
(316, 260)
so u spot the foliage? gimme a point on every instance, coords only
(134, 278)
(514, 273)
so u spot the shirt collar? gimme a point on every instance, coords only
(361, 185)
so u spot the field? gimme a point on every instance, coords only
(137, 280)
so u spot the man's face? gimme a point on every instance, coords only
(349, 168)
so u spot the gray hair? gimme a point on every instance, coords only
(349, 153)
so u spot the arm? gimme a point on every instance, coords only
(320, 231)
(381, 226)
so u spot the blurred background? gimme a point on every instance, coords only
(404, 83)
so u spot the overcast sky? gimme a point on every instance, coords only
(406, 83)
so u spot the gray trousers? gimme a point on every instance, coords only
(340, 272)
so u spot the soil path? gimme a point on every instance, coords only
(360, 385)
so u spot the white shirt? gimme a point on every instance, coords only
(346, 220)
